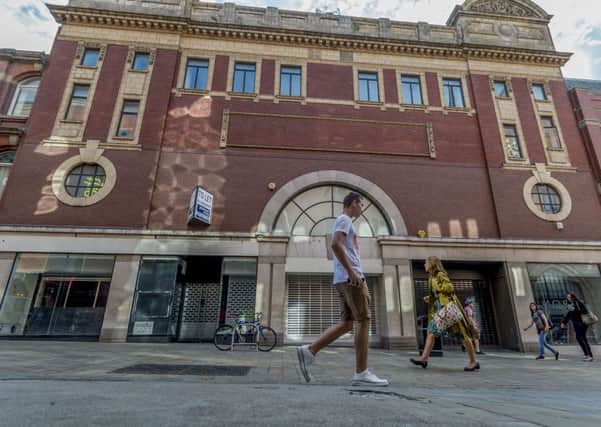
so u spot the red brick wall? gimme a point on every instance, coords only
(433, 89)
(528, 120)
(390, 87)
(330, 81)
(105, 96)
(220, 73)
(268, 76)
(50, 92)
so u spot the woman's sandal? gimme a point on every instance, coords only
(422, 363)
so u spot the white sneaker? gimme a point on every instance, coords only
(588, 359)
(305, 360)
(367, 378)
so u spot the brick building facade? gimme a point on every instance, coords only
(461, 138)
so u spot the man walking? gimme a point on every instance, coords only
(354, 298)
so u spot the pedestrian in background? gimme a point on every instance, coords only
(469, 311)
(540, 320)
(579, 315)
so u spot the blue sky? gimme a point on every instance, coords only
(576, 26)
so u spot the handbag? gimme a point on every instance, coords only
(446, 317)
(589, 318)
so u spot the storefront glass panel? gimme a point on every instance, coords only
(551, 283)
(153, 303)
(56, 295)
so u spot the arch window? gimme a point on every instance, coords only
(314, 211)
(24, 97)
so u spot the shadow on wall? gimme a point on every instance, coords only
(191, 130)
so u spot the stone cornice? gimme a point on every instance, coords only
(23, 55)
(147, 22)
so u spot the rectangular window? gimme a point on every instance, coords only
(512, 142)
(290, 81)
(141, 61)
(197, 72)
(128, 119)
(244, 78)
(77, 103)
(368, 87)
(453, 93)
(412, 90)
(538, 91)
(90, 57)
(501, 89)
(551, 133)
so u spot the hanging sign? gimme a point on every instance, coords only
(201, 206)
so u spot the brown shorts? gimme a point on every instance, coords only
(354, 301)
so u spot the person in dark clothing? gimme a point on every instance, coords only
(576, 309)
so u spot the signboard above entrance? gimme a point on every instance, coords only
(201, 206)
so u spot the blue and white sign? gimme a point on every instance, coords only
(201, 206)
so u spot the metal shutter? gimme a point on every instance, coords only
(313, 306)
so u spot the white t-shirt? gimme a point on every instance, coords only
(344, 223)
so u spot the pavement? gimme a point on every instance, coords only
(48, 383)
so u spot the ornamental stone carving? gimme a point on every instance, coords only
(503, 7)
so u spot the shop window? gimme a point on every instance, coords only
(550, 285)
(56, 295)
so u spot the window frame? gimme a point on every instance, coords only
(300, 80)
(78, 186)
(540, 203)
(377, 85)
(188, 66)
(244, 80)
(402, 89)
(445, 85)
(543, 89)
(133, 61)
(555, 130)
(123, 113)
(72, 97)
(505, 88)
(83, 56)
(23, 83)
(517, 142)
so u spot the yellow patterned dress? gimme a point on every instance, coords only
(441, 292)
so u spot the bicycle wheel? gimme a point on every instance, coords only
(223, 337)
(266, 338)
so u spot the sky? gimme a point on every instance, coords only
(575, 27)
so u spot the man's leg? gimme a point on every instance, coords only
(331, 335)
(361, 345)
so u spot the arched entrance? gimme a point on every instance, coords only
(304, 211)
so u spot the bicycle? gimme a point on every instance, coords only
(245, 332)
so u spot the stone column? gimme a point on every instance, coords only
(271, 282)
(120, 300)
(389, 307)
(6, 264)
(407, 298)
(522, 297)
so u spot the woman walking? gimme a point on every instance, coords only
(576, 311)
(469, 311)
(445, 315)
(542, 327)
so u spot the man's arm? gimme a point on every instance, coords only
(338, 249)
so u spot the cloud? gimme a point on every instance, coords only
(576, 26)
